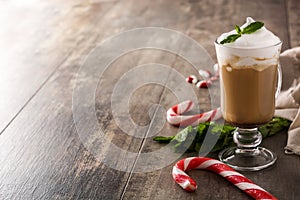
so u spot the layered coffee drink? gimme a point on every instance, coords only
(248, 94)
(248, 74)
(250, 77)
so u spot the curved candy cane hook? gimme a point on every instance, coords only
(240, 181)
(175, 118)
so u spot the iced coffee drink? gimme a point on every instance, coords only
(248, 59)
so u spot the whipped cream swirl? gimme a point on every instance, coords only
(260, 38)
(260, 48)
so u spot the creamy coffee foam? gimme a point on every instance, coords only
(248, 50)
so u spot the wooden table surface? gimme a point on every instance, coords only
(43, 45)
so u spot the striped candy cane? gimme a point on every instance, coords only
(240, 181)
(192, 79)
(175, 118)
(205, 73)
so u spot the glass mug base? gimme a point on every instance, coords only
(248, 159)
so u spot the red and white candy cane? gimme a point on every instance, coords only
(240, 181)
(175, 118)
(205, 73)
(204, 84)
(192, 79)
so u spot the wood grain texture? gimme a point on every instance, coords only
(294, 22)
(41, 153)
(35, 40)
(200, 29)
(44, 156)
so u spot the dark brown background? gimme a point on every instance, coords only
(42, 46)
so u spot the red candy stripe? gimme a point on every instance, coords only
(175, 117)
(192, 79)
(203, 84)
(239, 180)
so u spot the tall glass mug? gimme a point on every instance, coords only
(250, 78)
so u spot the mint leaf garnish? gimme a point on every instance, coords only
(238, 29)
(231, 38)
(251, 28)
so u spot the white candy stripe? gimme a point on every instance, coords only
(178, 171)
(186, 163)
(216, 67)
(246, 186)
(208, 163)
(182, 107)
(183, 184)
(186, 184)
(230, 173)
(204, 73)
(179, 118)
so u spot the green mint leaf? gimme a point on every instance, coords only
(251, 28)
(202, 128)
(276, 125)
(184, 140)
(238, 29)
(183, 135)
(254, 26)
(230, 38)
(163, 139)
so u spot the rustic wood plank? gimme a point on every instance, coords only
(290, 68)
(34, 46)
(36, 147)
(22, 54)
(159, 183)
(294, 22)
(42, 153)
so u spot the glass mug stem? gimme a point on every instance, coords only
(247, 138)
(247, 155)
